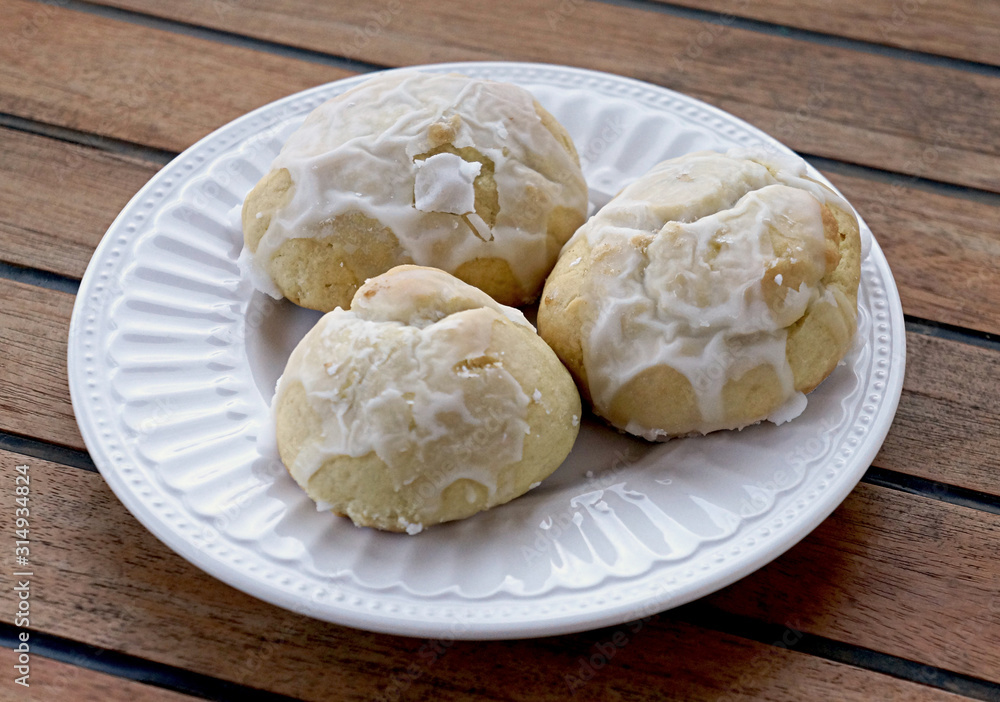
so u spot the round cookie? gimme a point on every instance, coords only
(712, 293)
(470, 176)
(426, 402)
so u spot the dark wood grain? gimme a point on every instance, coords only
(944, 251)
(121, 80)
(892, 572)
(53, 680)
(844, 104)
(903, 575)
(949, 399)
(57, 199)
(104, 579)
(947, 426)
(34, 392)
(963, 29)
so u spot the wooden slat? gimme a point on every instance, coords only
(133, 83)
(104, 580)
(908, 576)
(53, 680)
(34, 392)
(944, 252)
(945, 429)
(963, 29)
(57, 199)
(892, 572)
(947, 426)
(844, 104)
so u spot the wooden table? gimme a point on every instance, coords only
(895, 596)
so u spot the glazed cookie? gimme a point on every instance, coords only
(470, 176)
(426, 402)
(710, 294)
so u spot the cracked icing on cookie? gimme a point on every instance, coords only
(444, 183)
(393, 376)
(404, 150)
(684, 273)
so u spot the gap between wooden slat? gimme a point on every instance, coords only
(61, 283)
(39, 278)
(991, 690)
(706, 16)
(822, 38)
(866, 553)
(217, 35)
(169, 677)
(932, 489)
(963, 29)
(895, 178)
(881, 477)
(162, 157)
(952, 332)
(95, 141)
(123, 665)
(964, 158)
(709, 617)
(46, 451)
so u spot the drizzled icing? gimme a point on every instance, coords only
(444, 183)
(410, 374)
(368, 150)
(683, 274)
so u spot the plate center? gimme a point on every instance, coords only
(273, 329)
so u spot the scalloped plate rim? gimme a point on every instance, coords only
(536, 625)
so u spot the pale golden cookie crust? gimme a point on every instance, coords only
(512, 383)
(663, 400)
(529, 193)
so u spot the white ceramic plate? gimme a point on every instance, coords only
(173, 358)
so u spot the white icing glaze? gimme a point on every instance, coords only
(444, 184)
(395, 381)
(792, 170)
(359, 152)
(260, 279)
(795, 406)
(677, 264)
(249, 266)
